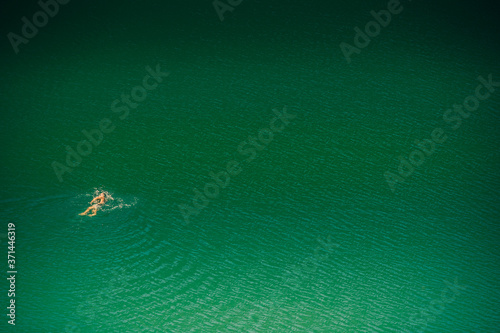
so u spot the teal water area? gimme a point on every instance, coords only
(305, 234)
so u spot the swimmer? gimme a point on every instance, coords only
(100, 200)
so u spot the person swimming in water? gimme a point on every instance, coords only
(95, 204)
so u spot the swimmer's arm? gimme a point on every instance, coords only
(93, 200)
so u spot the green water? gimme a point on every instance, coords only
(308, 236)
